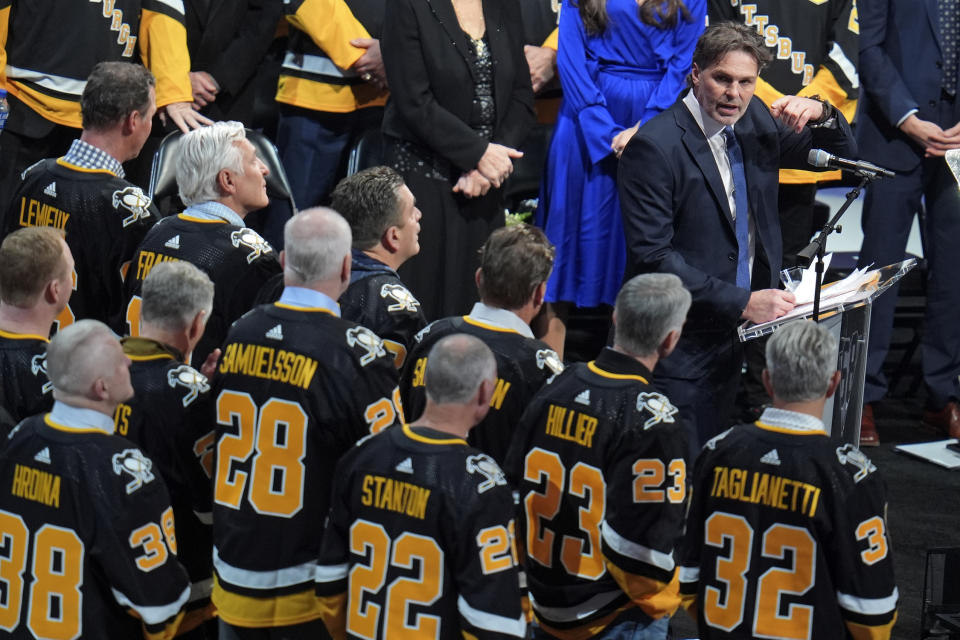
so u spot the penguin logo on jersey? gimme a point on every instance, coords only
(658, 406)
(186, 376)
(548, 358)
(134, 200)
(38, 365)
(367, 340)
(486, 467)
(422, 334)
(403, 299)
(252, 240)
(133, 463)
(712, 442)
(849, 454)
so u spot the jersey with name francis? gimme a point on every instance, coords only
(105, 218)
(403, 490)
(169, 419)
(524, 365)
(212, 237)
(598, 462)
(88, 510)
(804, 519)
(296, 387)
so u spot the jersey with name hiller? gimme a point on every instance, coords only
(104, 218)
(237, 259)
(421, 499)
(89, 535)
(295, 388)
(787, 538)
(523, 366)
(599, 465)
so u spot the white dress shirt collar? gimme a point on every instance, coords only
(502, 318)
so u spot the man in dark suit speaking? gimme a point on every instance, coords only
(698, 190)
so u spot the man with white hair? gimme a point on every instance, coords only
(296, 387)
(35, 285)
(787, 533)
(87, 508)
(169, 415)
(221, 180)
(454, 515)
(600, 546)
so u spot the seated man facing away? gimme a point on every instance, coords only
(87, 508)
(600, 545)
(85, 193)
(385, 222)
(221, 180)
(453, 520)
(787, 533)
(515, 263)
(35, 286)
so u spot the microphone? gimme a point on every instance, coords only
(822, 159)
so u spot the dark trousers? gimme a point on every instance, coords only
(888, 213)
(313, 630)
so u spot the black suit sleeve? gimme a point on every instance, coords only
(242, 54)
(518, 116)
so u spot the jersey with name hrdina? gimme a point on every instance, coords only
(104, 217)
(419, 542)
(599, 466)
(88, 536)
(295, 389)
(25, 389)
(523, 366)
(237, 259)
(169, 419)
(787, 538)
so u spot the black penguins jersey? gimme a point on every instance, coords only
(787, 536)
(89, 539)
(237, 259)
(523, 366)
(417, 497)
(599, 465)
(377, 299)
(169, 419)
(25, 389)
(104, 218)
(296, 388)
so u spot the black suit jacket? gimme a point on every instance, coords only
(677, 219)
(228, 39)
(900, 69)
(427, 58)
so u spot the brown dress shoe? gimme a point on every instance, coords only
(868, 428)
(946, 420)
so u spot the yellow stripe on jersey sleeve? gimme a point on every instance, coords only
(864, 632)
(63, 112)
(163, 47)
(4, 30)
(654, 597)
(321, 96)
(553, 40)
(333, 611)
(331, 25)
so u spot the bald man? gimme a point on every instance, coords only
(301, 386)
(87, 507)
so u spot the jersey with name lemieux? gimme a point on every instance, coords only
(523, 366)
(417, 498)
(237, 259)
(295, 389)
(599, 466)
(89, 533)
(786, 538)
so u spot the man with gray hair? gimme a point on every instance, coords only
(297, 386)
(88, 507)
(454, 515)
(600, 549)
(85, 193)
(169, 415)
(782, 488)
(221, 180)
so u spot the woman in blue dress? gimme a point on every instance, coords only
(620, 62)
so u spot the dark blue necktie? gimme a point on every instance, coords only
(949, 14)
(735, 155)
